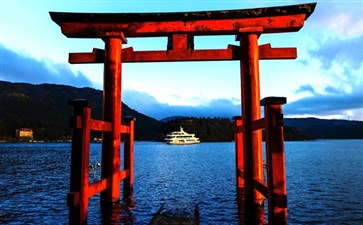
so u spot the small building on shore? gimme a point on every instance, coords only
(24, 134)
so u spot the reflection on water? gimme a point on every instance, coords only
(250, 215)
(119, 213)
(324, 183)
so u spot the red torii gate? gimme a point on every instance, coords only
(180, 28)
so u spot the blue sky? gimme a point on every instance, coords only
(325, 81)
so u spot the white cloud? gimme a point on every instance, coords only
(340, 18)
(148, 105)
(346, 25)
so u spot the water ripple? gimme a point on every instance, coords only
(324, 183)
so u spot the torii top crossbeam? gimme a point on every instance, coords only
(180, 28)
(271, 19)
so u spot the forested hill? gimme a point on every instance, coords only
(327, 129)
(221, 129)
(44, 108)
(218, 129)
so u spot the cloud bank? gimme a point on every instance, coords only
(148, 105)
(331, 102)
(347, 52)
(340, 92)
(16, 67)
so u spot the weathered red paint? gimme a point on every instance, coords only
(271, 24)
(275, 159)
(250, 85)
(238, 140)
(275, 188)
(129, 158)
(231, 53)
(78, 200)
(81, 190)
(112, 114)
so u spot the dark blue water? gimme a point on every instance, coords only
(324, 182)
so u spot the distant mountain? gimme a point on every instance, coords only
(170, 118)
(44, 108)
(327, 129)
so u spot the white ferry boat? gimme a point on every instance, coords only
(181, 138)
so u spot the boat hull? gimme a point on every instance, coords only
(183, 143)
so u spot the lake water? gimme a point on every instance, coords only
(324, 182)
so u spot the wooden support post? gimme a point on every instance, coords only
(250, 85)
(275, 159)
(78, 197)
(180, 41)
(238, 140)
(129, 158)
(110, 167)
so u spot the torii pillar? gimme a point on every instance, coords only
(112, 113)
(250, 96)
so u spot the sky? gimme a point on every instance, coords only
(325, 81)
